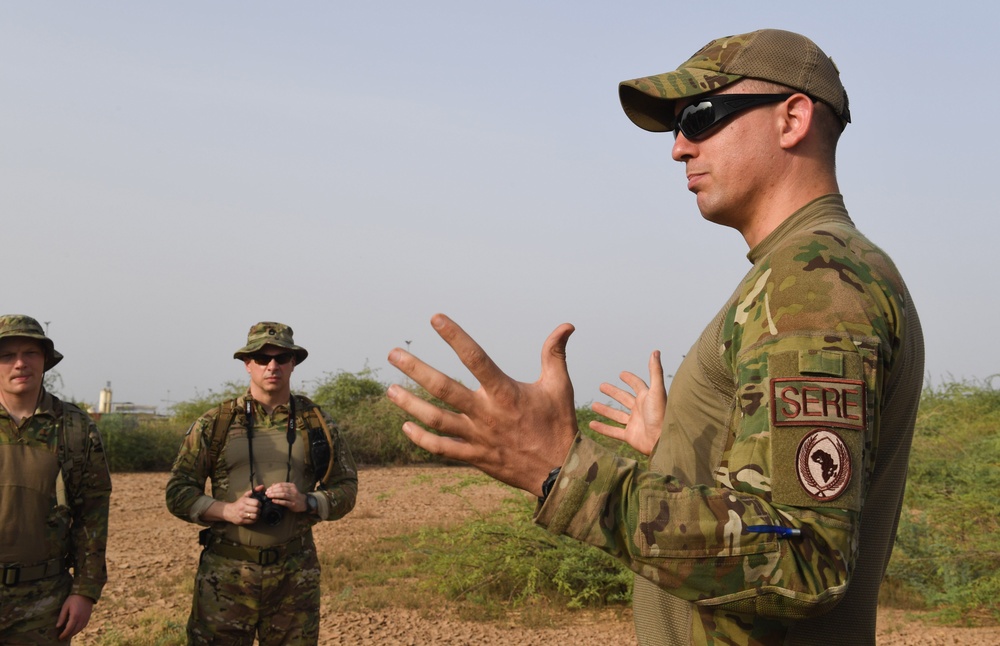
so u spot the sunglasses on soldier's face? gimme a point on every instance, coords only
(262, 359)
(698, 118)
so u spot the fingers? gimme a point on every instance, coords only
(445, 421)
(285, 494)
(244, 516)
(636, 383)
(433, 381)
(245, 508)
(614, 432)
(74, 615)
(623, 397)
(614, 414)
(554, 368)
(71, 628)
(282, 491)
(482, 367)
(655, 371)
(63, 618)
(449, 447)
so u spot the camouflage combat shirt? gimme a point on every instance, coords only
(779, 475)
(54, 501)
(186, 496)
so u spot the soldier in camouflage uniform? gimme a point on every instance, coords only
(55, 492)
(768, 510)
(259, 573)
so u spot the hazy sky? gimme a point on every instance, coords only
(171, 173)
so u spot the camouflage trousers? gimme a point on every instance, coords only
(29, 611)
(236, 600)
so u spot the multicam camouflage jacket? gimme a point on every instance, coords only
(229, 472)
(55, 493)
(791, 416)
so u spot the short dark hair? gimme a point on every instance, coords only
(827, 124)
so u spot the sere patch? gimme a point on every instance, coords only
(836, 403)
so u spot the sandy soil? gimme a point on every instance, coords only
(152, 555)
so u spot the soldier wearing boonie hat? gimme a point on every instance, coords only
(55, 493)
(278, 465)
(276, 335)
(747, 526)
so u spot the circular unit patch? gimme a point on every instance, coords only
(823, 464)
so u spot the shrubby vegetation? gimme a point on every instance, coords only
(184, 413)
(134, 444)
(947, 554)
(369, 422)
(146, 443)
(504, 560)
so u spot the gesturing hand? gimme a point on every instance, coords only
(643, 418)
(512, 431)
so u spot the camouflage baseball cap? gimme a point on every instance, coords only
(19, 325)
(772, 55)
(278, 335)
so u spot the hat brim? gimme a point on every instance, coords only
(52, 356)
(251, 348)
(649, 101)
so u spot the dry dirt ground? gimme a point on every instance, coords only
(152, 556)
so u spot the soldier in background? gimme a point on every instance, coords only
(777, 467)
(55, 492)
(278, 466)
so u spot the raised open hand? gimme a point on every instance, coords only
(643, 419)
(513, 431)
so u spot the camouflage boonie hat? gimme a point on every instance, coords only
(19, 325)
(278, 335)
(774, 55)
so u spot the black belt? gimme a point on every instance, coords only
(13, 574)
(258, 555)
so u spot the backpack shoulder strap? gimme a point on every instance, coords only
(320, 438)
(71, 446)
(224, 417)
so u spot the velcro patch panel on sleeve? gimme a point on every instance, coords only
(816, 467)
(838, 403)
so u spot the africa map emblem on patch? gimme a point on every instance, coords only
(823, 464)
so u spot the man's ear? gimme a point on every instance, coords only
(797, 115)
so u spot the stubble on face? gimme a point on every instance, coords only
(728, 171)
(22, 366)
(273, 379)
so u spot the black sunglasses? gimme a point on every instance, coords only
(262, 359)
(698, 118)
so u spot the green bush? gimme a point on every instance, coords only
(374, 433)
(370, 424)
(504, 560)
(186, 412)
(341, 394)
(132, 443)
(947, 549)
